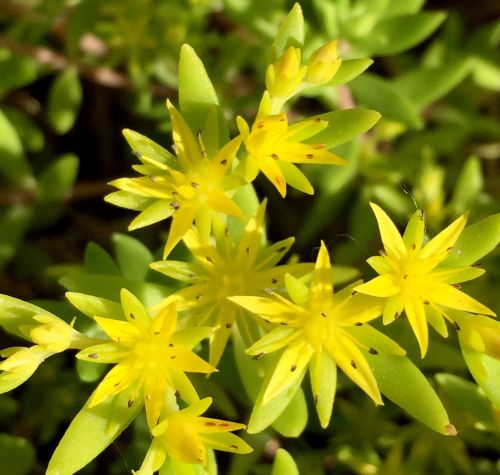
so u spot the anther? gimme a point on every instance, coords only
(195, 185)
(281, 249)
(170, 345)
(210, 424)
(323, 314)
(269, 291)
(172, 357)
(130, 403)
(284, 324)
(310, 156)
(153, 178)
(260, 125)
(223, 162)
(449, 249)
(234, 447)
(275, 156)
(413, 246)
(229, 325)
(258, 356)
(405, 277)
(317, 120)
(93, 355)
(373, 351)
(316, 399)
(293, 368)
(247, 250)
(456, 325)
(354, 292)
(353, 364)
(358, 324)
(426, 302)
(137, 154)
(274, 281)
(175, 205)
(132, 316)
(208, 258)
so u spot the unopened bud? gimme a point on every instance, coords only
(285, 75)
(323, 64)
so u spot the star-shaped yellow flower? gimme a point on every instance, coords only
(414, 276)
(149, 354)
(224, 269)
(273, 147)
(321, 330)
(189, 189)
(184, 437)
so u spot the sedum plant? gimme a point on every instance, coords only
(225, 302)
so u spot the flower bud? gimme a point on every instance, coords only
(53, 334)
(285, 75)
(323, 64)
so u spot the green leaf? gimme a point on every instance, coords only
(15, 71)
(485, 73)
(350, 69)
(284, 464)
(91, 431)
(395, 35)
(247, 200)
(344, 125)
(17, 455)
(132, 257)
(13, 164)
(396, 8)
(403, 383)
(475, 242)
(89, 372)
(65, 97)
(290, 33)
(98, 261)
(197, 95)
(423, 86)
(56, 181)
(31, 136)
(468, 186)
(485, 370)
(292, 421)
(387, 98)
(15, 222)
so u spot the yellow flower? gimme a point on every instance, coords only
(321, 330)
(273, 147)
(149, 354)
(184, 437)
(192, 188)
(51, 335)
(323, 64)
(226, 269)
(414, 276)
(285, 75)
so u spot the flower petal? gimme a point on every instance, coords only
(392, 240)
(415, 312)
(440, 246)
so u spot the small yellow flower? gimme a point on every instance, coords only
(273, 147)
(285, 75)
(184, 436)
(226, 269)
(149, 354)
(322, 330)
(190, 189)
(323, 64)
(414, 276)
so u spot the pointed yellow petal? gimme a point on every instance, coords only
(415, 312)
(321, 284)
(440, 246)
(451, 297)
(133, 309)
(414, 233)
(225, 441)
(392, 309)
(272, 341)
(272, 171)
(352, 362)
(392, 240)
(380, 286)
(181, 222)
(291, 367)
(323, 375)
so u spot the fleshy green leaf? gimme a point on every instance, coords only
(57, 179)
(387, 98)
(475, 242)
(15, 222)
(486, 371)
(13, 164)
(290, 33)
(424, 86)
(284, 464)
(344, 125)
(17, 455)
(350, 69)
(197, 95)
(132, 257)
(91, 431)
(397, 8)
(292, 421)
(95, 306)
(98, 261)
(65, 97)
(398, 34)
(403, 383)
(468, 186)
